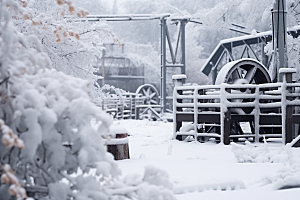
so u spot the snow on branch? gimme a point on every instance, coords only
(9, 139)
(8, 177)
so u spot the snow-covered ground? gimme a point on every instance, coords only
(210, 170)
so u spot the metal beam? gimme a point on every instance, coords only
(279, 17)
(163, 73)
(182, 30)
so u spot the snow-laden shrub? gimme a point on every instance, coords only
(250, 153)
(111, 93)
(46, 128)
(49, 111)
(287, 177)
(155, 184)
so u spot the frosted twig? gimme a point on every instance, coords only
(9, 139)
(15, 189)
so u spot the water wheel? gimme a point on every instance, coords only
(149, 94)
(243, 71)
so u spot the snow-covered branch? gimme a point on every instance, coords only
(15, 188)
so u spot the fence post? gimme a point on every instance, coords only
(256, 115)
(227, 122)
(224, 115)
(287, 111)
(178, 81)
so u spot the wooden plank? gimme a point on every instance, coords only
(270, 119)
(296, 118)
(184, 117)
(202, 118)
(209, 117)
(288, 124)
(227, 126)
(242, 118)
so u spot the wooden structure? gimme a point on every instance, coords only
(131, 106)
(122, 107)
(216, 110)
(117, 69)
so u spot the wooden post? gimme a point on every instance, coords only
(118, 146)
(288, 124)
(227, 124)
(178, 81)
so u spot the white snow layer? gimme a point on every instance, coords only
(179, 76)
(193, 170)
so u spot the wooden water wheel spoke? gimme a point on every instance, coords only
(251, 74)
(236, 74)
(149, 94)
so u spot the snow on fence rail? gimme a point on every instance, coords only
(123, 107)
(215, 108)
(130, 106)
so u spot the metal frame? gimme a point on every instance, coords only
(279, 18)
(165, 41)
(277, 35)
(165, 36)
(227, 48)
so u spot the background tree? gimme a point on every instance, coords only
(71, 45)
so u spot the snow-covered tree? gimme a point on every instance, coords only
(193, 54)
(71, 45)
(47, 143)
(95, 7)
(50, 112)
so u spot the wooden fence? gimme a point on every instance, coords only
(272, 110)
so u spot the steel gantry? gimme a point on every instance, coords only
(177, 60)
(177, 56)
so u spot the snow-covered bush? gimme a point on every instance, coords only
(155, 184)
(249, 153)
(110, 92)
(287, 177)
(253, 153)
(49, 111)
(46, 127)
